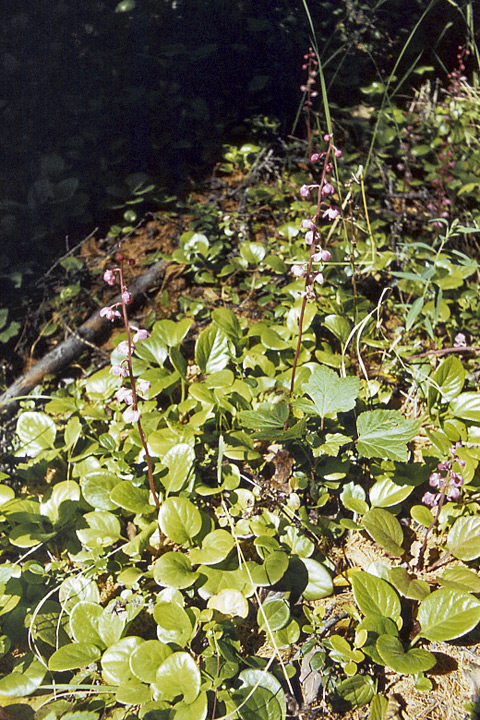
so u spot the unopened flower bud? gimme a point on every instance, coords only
(315, 157)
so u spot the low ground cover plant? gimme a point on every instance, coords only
(179, 520)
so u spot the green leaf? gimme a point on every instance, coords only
(273, 615)
(73, 656)
(353, 498)
(375, 596)
(339, 326)
(272, 570)
(215, 547)
(375, 625)
(414, 312)
(229, 602)
(447, 614)
(409, 587)
(179, 461)
(393, 654)
(228, 322)
(211, 350)
(354, 692)
(178, 675)
(449, 377)
(75, 589)
(130, 498)
(174, 624)
(463, 540)
(378, 708)
(384, 527)
(153, 349)
(36, 432)
(192, 711)
(330, 393)
(84, 622)
(179, 519)
(267, 416)
(96, 488)
(174, 569)
(24, 680)
(466, 406)
(103, 529)
(320, 583)
(147, 658)
(385, 434)
(261, 679)
(131, 692)
(116, 660)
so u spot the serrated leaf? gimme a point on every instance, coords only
(385, 434)
(384, 527)
(330, 393)
(375, 596)
(393, 654)
(447, 614)
(463, 540)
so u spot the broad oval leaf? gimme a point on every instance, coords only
(96, 489)
(393, 654)
(179, 461)
(215, 548)
(463, 540)
(447, 614)
(147, 658)
(24, 680)
(229, 602)
(36, 431)
(375, 596)
(84, 621)
(178, 675)
(116, 660)
(103, 530)
(75, 589)
(174, 569)
(466, 406)
(73, 656)
(260, 678)
(384, 527)
(129, 497)
(211, 350)
(173, 623)
(179, 519)
(320, 583)
(273, 615)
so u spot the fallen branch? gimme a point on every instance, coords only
(64, 353)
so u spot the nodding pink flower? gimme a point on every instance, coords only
(453, 493)
(460, 341)
(119, 370)
(141, 335)
(124, 395)
(318, 278)
(126, 296)
(123, 348)
(298, 270)
(322, 255)
(327, 189)
(443, 466)
(331, 213)
(110, 312)
(430, 499)
(309, 237)
(308, 225)
(327, 137)
(315, 157)
(305, 191)
(109, 277)
(130, 415)
(303, 88)
(436, 480)
(338, 153)
(143, 386)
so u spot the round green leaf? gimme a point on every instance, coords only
(466, 406)
(229, 602)
(75, 589)
(73, 656)
(179, 461)
(84, 620)
(24, 680)
(384, 527)
(447, 614)
(130, 498)
(96, 489)
(36, 432)
(375, 596)
(273, 615)
(355, 691)
(173, 623)
(463, 540)
(103, 530)
(414, 661)
(320, 582)
(174, 569)
(116, 660)
(6, 494)
(192, 711)
(179, 519)
(147, 658)
(272, 570)
(211, 350)
(131, 692)
(215, 548)
(178, 675)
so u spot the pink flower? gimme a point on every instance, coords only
(124, 395)
(123, 348)
(327, 189)
(109, 312)
(143, 386)
(119, 370)
(298, 270)
(109, 277)
(141, 335)
(327, 137)
(460, 341)
(309, 237)
(430, 499)
(338, 153)
(453, 493)
(436, 480)
(308, 225)
(305, 191)
(130, 415)
(325, 255)
(126, 296)
(318, 278)
(331, 213)
(315, 157)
